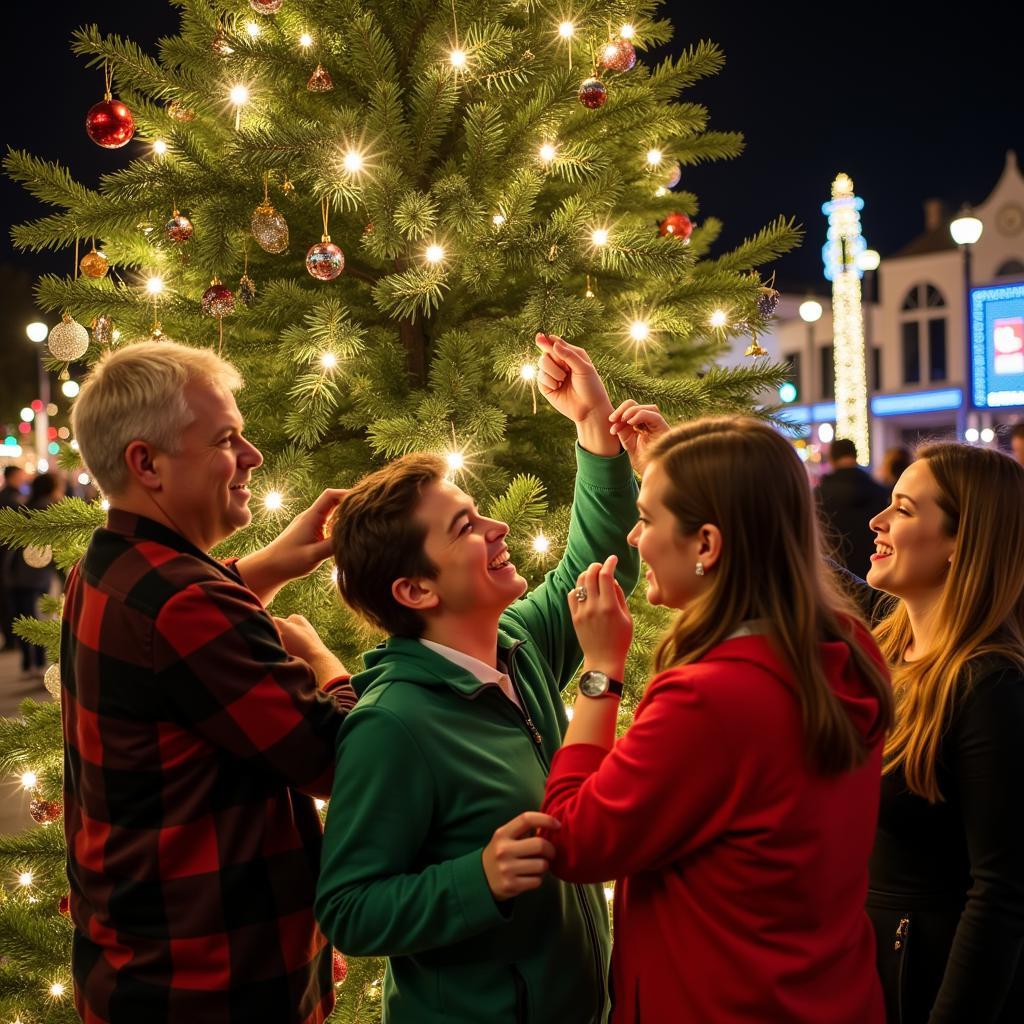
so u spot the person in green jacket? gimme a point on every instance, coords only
(431, 854)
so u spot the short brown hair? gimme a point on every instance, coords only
(1017, 431)
(377, 539)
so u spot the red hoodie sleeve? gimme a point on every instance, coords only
(666, 788)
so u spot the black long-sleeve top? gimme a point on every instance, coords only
(968, 848)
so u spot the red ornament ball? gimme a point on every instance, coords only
(218, 300)
(339, 968)
(110, 124)
(618, 55)
(678, 225)
(178, 229)
(44, 811)
(593, 93)
(65, 904)
(325, 261)
(320, 80)
(266, 6)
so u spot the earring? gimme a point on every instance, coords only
(700, 568)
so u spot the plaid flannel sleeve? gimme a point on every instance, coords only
(219, 660)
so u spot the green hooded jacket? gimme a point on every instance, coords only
(429, 763)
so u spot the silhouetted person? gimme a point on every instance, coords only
(1017, 442)
(848, 498)
(28, 584)
(11, 496)
(894, 463)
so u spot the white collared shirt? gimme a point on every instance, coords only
(484, 672)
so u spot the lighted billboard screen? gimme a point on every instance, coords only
(997, 345)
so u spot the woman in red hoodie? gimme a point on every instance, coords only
(737, 813)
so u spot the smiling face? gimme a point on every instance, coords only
(203, 486)
(475, 575)
(913, 546)
(671, 557)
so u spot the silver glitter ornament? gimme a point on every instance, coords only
(269, 228)
(38, 557)
(68, 340)
(52, 681)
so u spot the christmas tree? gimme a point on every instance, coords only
(371, 207)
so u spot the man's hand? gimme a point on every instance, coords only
(569, 381)
(301, 640)
(516, 858)
(638, 428)
(296, 552)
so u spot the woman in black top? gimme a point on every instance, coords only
(947, 872)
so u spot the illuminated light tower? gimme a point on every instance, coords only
(840, 253)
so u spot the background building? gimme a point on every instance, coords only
(945, 358)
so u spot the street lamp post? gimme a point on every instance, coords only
(38, 332)
(810, 312)
(966, 230)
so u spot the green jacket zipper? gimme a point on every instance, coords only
(581, 895)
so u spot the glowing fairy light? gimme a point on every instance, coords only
(541, 544)
(105, 505)
(353, 161)
(498, 219)
(456, 461)
(639, 330)
(25, 879)
(528, 372)
(56, 990)
(718, 318)
(547, 152)
(239, 95)
(627, 31)
(328, 360)
(569, 712)
(305, 40)
(599, 236)
(253, 29)
(273, 501)
(457, 59)
(661, 191)
(29, 780)
(434, 253)
(319, 804)
(160, 147)
(566, 29)
(654, 157)
(609, 893)
(155, 285)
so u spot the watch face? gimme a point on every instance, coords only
(593, 684)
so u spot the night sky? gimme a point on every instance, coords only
(908, 102)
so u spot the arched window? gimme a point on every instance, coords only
(923, 325)
(1011, 268)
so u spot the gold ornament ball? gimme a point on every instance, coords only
(52, 681)
(94, 264)
(38, 557)
(68, 340)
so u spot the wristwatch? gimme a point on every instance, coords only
(597, 684)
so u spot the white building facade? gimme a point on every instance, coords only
(943, 361)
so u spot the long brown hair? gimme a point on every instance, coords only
(746, 479)
(981, 608)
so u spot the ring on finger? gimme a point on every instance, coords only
(581, 594)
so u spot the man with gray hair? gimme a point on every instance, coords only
(194, 743)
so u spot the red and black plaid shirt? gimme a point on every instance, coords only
(189, 733)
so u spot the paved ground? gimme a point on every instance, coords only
(14, 816)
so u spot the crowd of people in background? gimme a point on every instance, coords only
(22, 586)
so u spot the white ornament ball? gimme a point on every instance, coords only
(38, 557)
(52, 681)
(68, 340)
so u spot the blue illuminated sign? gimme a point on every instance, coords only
(997, 346)
(917, 401)
(823, 412)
